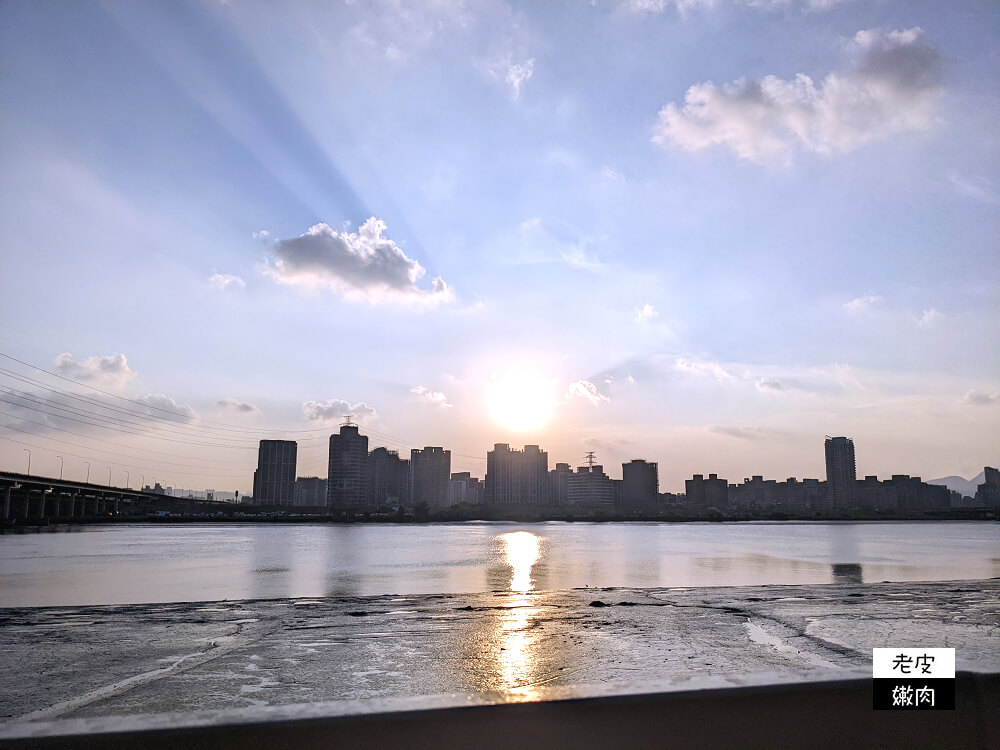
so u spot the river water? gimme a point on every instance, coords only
(141, 563)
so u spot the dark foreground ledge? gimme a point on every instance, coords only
(833, 714)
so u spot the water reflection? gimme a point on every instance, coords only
(847, 573)
(516, 636)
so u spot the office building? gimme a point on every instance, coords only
(841, 472)
(430, 475)
(347, 480)
(274, 480)
(559, 484)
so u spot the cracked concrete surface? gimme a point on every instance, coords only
(85, 662)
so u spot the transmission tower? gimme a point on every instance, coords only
(590, 458)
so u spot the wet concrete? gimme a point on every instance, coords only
(87, 662)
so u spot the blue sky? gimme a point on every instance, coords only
(700, 232)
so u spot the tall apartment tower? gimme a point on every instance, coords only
(430, 472)
(347, 480)
(640, 485)
(388, 479)
(274, 480)
(517, 477)
(841, 472)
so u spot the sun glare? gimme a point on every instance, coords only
(521, 401)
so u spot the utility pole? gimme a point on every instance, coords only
(60, 467)
(88, 472)
(29, 461)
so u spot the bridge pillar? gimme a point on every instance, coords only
(25, 504)
(42, 501)
(6, 503)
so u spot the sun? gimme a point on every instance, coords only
(521, 401)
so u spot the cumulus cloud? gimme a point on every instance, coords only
(645, 313)
(927, 317)
(236, 405)
(434, 397)
(112, 369)
(587, 391)
(362, 265)
(700, 367)
(862, 304)
(981, 398)
(769, 385)
(226, 280)
(892, 87)
(335, 409)
(159, 403)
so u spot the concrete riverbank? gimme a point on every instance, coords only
(237, 658)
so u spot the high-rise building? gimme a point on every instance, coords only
(310, 491)
(988, 493)
(516, 477)
(430, 473)
(707, 493)
(589, 487)
(347, 480)
(465, 489)
(388, 479)
(640, 485)
(841, 472)
(559, 484)
(274, 480)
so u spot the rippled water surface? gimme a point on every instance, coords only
(206, 562)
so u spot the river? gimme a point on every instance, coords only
(144, 563)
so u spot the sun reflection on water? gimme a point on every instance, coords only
(517, 658)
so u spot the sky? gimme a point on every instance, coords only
(704, 233)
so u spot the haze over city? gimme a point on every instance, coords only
(705, 234)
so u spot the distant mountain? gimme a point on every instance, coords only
(966, 486)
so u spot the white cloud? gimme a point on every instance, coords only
(892, 88)
(700, 367)
(517, 75)
(743, 433)
(928, 317)
(645, 313)
(362, 265)
(112, 369)
(159, 403)
(241, 406)
(769, 385)
(977, 187)
(226, 280)
(335, 409)
(981, 398)
(587, 391)
(263, 235)
(434, 397)
(860, 305)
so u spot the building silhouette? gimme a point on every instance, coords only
(347, 480)
(274, 479)
(465, 489)
(310, 491)
(589, 487)
(430, 475)
(841, 472)
(640, 486)
(388, 480)
(707, 493)
(516, 477)
(559, 484)
(988, 493)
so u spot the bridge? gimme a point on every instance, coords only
(28, 499)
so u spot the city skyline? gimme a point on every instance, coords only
(701, 233)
